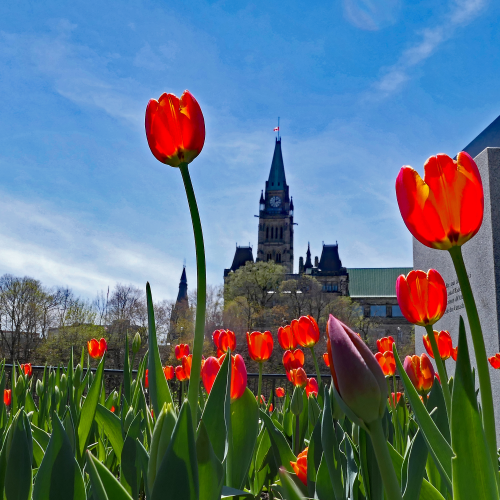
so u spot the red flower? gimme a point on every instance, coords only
(175, 128)
(297, 376)
(312, 387)
(180, 373)
(226, 339)
(187, 361)
(445, 209)
(420, 371)
(27, 369)
(293, 359)
(169, 372)
(280, 392)
(271, 408)
(7, 397)
(286, 338)
(394, 398)
(146, 379)
(97, 348)
(260, 345)
(326, 359)
(209, 371)
(211, 367)
(300, 466)
(181, 350)
(422, 296)
(454, 353)
(387, 363)
(112, 409)
(306, 331)
(495, 361)
(262, 399)
(385, 344)
(444, 343)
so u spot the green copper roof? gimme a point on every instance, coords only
(277, 180)
(374, 281)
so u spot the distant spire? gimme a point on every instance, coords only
(262, 201)
(277, 179)
(183, 286)
(308, 263)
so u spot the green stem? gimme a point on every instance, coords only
(440, 368)
(399, 439)
(392, 404)
(391, 485)
(201, 295)
(480, 351)
(318, 373)
(259, 386)
(297, 435)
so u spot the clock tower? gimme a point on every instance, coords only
(275, 241)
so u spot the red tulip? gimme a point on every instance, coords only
(394, 399)
(7, 397)
(495, 361)
(209, 371)
(262, 399)
(326, 359)
(227, 340)
(306, 331)
(300, 466)
(175, 128)
(297, 376)
(454, 353)
(169, 372)
(356, 373)
(112, 409)
(387, 363)
(97, 348)
(146, 379)
(238, 376)
(181, 350)
(271, 408)
(312, 387)
(444, 343)
(180, 373)
(293, 359)
(187, 361)
(286, 338)
(280, 392)
(420, 371)
(385, 344)
(445, 209)
(260, 345)
(27, 369)
(422, 296)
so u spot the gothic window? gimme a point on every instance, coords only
(267, 233)
(278, 258)
(281, 232)
(272, 232)
(269, 257)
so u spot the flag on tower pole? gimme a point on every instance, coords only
(276, 129)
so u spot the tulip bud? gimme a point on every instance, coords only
(77, 379)
(20, 385)
(64, 382)
(297, 404)
(129, 417)
(115, 399)
(39, 388)
(136, 343)
(56, 396)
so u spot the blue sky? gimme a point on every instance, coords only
(362, 87)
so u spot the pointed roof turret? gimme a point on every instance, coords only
(277, 179)
(183, 287)
(308, 263)
(262, 200)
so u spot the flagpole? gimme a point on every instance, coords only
(278, 127)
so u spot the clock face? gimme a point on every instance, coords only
(275, 201)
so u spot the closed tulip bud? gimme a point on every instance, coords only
(77, 379)
(136, 343)
(297, 404)
(260, 345)
(280, 392)
(56, 395)
(286, 338)
(115, 399)
(20, 386)
(39, 388)
(306, 331)
(129, 417)
(356, 373)
(7, 397)
(64, 382)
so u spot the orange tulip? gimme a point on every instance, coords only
(444, 343)
(495, 361)
(312, 387)
(97, 348)
(445, 208)
(146, 379)
(454, 353)
(297, 376)
(112, 409)
(175, 128)
(420, 371)
(209, 371)
(394, 398)
(7, 397)
(224, 340)
(260, 345)
(271, 408)
(300, 466)
(262, 399)
(181, 350)
(27, 369)
(280, 392)
(306, 331)
(238, 375)
(387, 363)
(180, 373)
(385, 344)
(293, 359)
(326, 359)
(422, 296)
(187, 361)
(169, 372)
(286, 338)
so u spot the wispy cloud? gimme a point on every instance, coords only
(461, 12)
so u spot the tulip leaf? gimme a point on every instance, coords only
(126, 372)
(437, 409)
(235, 494)
(216, 413)
(59, 477)
(324, 489)
(291, 488)
(178, 472)
(473, 472)
(245, 429)
(100, 474)
(158, 386)
(112, 428)
(89, 408)
(210, 470)
(98, 491)
(261, 465)
(374, 488)
(283, 455)
(130, 471)
(412, 472)
(437, 444)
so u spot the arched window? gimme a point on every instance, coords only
(281, 232)
(269, 257)
(278, 258)
(267, 233)
(272, 232)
